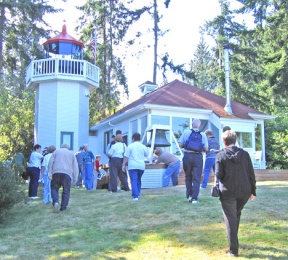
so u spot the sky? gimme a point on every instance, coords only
(183, 18)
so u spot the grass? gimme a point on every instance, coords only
(161, 225)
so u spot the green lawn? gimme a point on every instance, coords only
(161, 225)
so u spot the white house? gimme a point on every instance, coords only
(175, 105)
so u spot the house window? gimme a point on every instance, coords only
(134, 127)
(244, 139)
(125, 139)
(67, 138)
(179, 125)
(107, 140)
(204, 125)
(143, 125)
(215, 131)
(160, 120)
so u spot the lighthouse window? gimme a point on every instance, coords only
(67, 138)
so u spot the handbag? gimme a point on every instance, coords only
(215, 190)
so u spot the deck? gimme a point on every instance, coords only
(261, 175)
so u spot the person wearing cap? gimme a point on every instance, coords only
(45, 151)
(172, 163)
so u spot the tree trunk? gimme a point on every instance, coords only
(2, 21)
(155, 41)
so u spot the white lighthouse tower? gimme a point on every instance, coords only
(63, 81)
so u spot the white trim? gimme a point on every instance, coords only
(179, 109)
(261, 116)
(118, 118)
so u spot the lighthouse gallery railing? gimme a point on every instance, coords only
(62, 67)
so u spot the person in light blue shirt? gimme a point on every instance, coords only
(135, 156)
(44, 174)
(34, 171)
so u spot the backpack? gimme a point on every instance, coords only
(194, 142)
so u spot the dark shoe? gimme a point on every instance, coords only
(230, 254)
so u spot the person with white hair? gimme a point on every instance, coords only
(88, 166)
(194, 143)
(62, 171)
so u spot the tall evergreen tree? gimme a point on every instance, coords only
(259, 65)
(204, 66)
(111, 19)
(21, 27)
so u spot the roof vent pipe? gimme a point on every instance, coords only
(227, 107)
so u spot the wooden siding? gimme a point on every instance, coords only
(261, 175)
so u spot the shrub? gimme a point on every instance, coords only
(11, 192)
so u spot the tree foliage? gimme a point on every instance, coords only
(258, 65)
(11, 192)
(111, 19)
(21, 28)
(203, 67)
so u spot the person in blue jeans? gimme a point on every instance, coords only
(47, 198)
(34, 171)
(213, 148)
(135, 155)
(88, 165)
(62, 171)
(173, 166)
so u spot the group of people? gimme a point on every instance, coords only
(232, 167)
(233, 171)
(57, 168)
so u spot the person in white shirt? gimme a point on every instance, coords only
(135, 155)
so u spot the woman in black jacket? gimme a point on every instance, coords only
(237, 185)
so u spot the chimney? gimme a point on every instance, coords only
(147, 87)
(228, 107)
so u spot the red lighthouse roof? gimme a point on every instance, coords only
(63, 37)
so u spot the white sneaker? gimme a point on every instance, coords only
(190, 199)
(195, 201)
(56, 208)
(135, 199)
(34, 198)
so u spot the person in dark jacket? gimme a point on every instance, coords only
(237, 185)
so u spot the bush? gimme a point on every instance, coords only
(11, 192)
